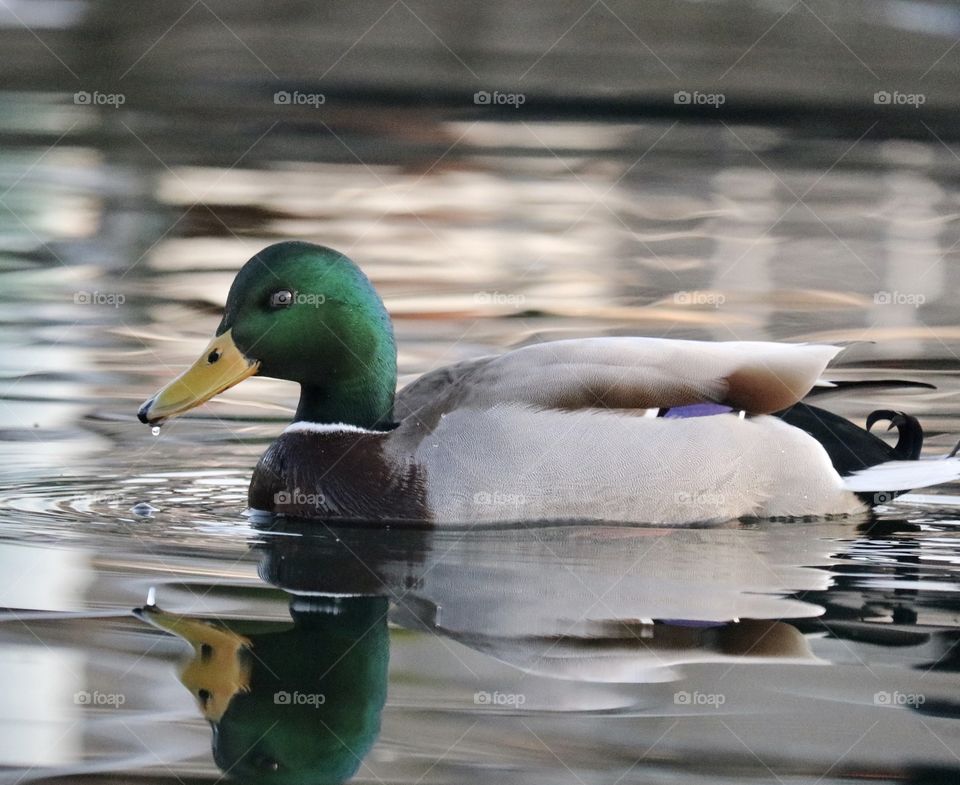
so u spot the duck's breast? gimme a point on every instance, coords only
(337, 472)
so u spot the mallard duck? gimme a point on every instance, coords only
(615, 428)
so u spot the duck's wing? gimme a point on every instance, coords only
(624, 373)
(434, 387)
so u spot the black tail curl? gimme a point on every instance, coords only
(852, 448)
(909, 432)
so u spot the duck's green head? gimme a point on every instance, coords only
(301, 312)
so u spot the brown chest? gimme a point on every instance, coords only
(338, 475)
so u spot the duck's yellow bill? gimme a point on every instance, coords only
(221, 366)
(218, 670)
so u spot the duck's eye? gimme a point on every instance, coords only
(204, 696)
(281, 299)
(206, 652)
(213, 356)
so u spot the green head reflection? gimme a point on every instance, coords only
(289, 703)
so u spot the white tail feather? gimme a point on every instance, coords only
(904, 475)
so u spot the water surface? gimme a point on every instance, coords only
(813, 652)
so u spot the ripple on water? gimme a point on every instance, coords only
(76, 505)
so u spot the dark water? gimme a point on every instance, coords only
(813, 652)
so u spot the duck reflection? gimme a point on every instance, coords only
(301, 701)
(295, 702)
(888, 590)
